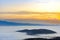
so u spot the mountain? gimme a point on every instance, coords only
(6, 23)
(37, 31)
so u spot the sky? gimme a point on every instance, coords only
(31, 16)
(30, 5)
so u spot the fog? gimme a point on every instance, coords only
(9, 32)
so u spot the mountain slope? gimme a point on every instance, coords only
(6, 23)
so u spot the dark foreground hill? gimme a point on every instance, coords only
(55, 38)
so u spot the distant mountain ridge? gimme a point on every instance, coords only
(7, 23)
(4, 23)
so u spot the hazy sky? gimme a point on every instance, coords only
(30, 5)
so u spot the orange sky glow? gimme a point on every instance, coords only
(47, 16)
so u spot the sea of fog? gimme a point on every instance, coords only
(9, 32)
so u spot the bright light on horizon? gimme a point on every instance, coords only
(31, 16)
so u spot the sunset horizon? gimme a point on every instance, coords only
(30, 10)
